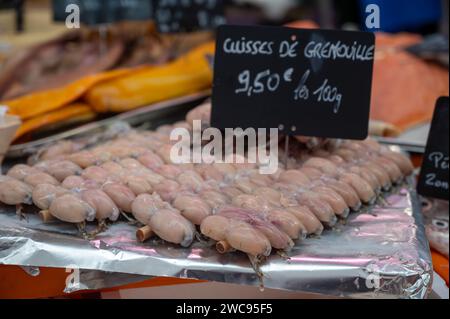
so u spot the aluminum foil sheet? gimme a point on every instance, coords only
(381, 252)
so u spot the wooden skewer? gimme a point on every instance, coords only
(223, 247)
(144, 233)
(46, 216)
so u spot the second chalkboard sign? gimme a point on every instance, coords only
(433, 180)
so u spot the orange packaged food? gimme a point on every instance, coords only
(39, 103)
(73, 113)
(188, 74)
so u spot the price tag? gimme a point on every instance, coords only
(433, 181)
(304, 82)
(188, 15)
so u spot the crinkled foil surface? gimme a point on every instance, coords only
(381, 252)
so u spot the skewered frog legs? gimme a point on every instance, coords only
(283, 255)
(20, 213)
(131, 221)
(102, 226)
(83, 232)
(256, 262)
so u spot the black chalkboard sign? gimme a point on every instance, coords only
(173, 16)
(304, 82)
(433, 181)
(94, 12)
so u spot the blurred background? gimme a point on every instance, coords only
(39, 52)
(25, 22)
(422, 16)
